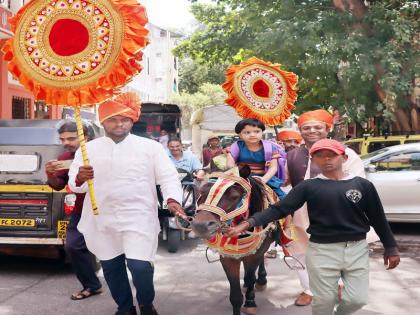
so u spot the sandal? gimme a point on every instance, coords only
(271, 253)
(84, 294)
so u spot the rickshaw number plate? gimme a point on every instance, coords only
(17, 222)
(62, 229)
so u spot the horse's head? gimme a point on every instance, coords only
(226, 198)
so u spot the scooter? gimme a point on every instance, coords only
(170, 230)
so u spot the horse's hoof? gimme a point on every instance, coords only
(249, 310)
(260, 287)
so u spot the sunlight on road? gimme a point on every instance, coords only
(5, 310)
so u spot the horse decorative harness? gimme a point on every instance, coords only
(219, 188)
(247, 244)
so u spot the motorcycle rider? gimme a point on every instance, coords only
(185, 160)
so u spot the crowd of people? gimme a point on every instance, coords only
(331, 204)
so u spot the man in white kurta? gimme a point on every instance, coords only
(125, 169)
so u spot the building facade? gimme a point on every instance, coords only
(158, 79)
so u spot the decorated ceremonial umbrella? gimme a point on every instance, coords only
(261, 90)
(76, 52)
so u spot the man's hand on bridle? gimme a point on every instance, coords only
(176, 209)
(235, 231)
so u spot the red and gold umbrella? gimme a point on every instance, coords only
(76, 52)
(261, 90)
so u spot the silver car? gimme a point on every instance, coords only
(395, 172)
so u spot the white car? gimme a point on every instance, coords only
(395, 172)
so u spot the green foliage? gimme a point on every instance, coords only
(192, 75)
(338, 56)
(207, 94)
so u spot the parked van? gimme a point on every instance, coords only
(363, 146)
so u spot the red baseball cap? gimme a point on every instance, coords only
(328, 144)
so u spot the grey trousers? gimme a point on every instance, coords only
(326, 264)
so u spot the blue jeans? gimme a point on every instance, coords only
(115, 273)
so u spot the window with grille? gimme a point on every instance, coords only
(21, 107)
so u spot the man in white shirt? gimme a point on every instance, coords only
(125, 170)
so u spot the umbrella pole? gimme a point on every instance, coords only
(85, 157)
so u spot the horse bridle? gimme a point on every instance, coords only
(222, 182)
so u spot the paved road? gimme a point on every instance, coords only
(187, 285)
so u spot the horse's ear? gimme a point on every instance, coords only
(244, 171)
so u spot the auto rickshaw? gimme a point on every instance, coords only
(33, 219)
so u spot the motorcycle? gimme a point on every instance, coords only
(170, 230)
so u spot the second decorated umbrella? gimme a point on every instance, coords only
(261, 90)
(76, 52)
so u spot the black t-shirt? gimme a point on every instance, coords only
(339, 211)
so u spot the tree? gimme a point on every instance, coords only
(207, 94)
(192, 75)
(360, 57)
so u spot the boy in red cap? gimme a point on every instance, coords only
(341, 208)
(313, 126)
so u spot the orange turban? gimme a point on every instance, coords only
(319, 115)
(285, 135)
(127, 105)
